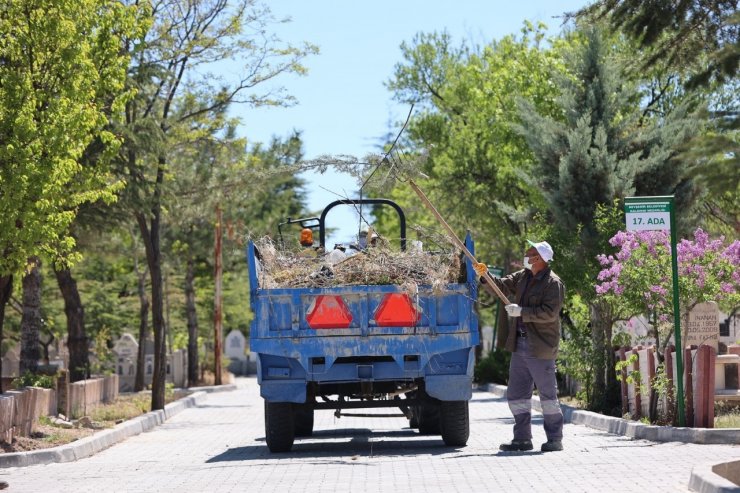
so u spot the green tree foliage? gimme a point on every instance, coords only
(698, 42)
(717, 160)
(175, 90)
(56, 58)
(702, 37)
(283, 194)
(604, 148)
(255, 189)
(576, 356)
(474, 157)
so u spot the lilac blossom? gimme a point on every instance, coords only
(639, 273)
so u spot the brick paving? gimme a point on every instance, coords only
(219, 446)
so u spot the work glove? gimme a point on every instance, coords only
(513, 310)
(480, 268)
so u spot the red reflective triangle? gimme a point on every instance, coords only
(396, 310)
(328, 312)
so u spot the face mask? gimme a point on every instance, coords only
(527, 265)
(363, 242)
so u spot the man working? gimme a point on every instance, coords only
(533, 338)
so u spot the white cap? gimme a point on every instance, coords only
(544, 249)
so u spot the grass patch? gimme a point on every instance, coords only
(727, 415)
(123, 408)
(129, 406)
(572, 401)
(55, 437)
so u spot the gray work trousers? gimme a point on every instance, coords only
(526, 371)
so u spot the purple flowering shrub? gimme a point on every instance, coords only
(637, 279)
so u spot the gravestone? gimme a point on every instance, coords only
(235, 345)
(702, 326)
(126, 349)
(126, 346)
(11, 362)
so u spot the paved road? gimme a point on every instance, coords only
(219, 446)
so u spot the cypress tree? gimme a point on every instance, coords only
(601, 148)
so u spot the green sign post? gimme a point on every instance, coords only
(658, 214)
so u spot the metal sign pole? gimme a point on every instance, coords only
(656, 214)
(677, 319)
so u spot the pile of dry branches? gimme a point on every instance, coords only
(374, 266)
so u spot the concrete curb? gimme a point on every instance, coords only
(703, 478)
(85, 447)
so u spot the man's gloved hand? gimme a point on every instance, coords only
(513, 310)
(480, 268)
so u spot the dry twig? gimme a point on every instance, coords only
(374, 266)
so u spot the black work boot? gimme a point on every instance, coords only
(516, 446)
(552, 446)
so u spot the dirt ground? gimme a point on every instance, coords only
(45, 436)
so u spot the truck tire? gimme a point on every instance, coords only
(414, 419)
(454, 420)
(279, 426)
(429, 419)
(303, 419)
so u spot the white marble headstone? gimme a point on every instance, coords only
(702, 326)
(235, 345)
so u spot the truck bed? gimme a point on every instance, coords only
(370, 333)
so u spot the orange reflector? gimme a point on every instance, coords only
(328, 312)
(396, 310)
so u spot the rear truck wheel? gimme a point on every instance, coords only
(303, 420)
(454, 420)
(412, 412)
(414, 419)
(429, 418)
(279, 426)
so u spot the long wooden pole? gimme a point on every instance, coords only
(489, 284)
(218, 301)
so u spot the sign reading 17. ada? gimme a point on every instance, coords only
(647, 215)
(656, 214)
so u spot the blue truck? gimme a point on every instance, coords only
(358, 347)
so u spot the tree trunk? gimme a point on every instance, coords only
(31, 318)
(6, 289)
(192, 321)
(45, 348)
(77, 343)
(150, 233)
(140, 381)
(599, 321)
(613, 395)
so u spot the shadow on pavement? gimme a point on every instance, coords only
(363, 443)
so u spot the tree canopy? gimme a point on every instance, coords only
(56, 59)
(696, 36)
(466, 130)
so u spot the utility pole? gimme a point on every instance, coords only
(218, 301)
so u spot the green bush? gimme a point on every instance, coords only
(29, 379)
(726, 414)
(494, 368)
